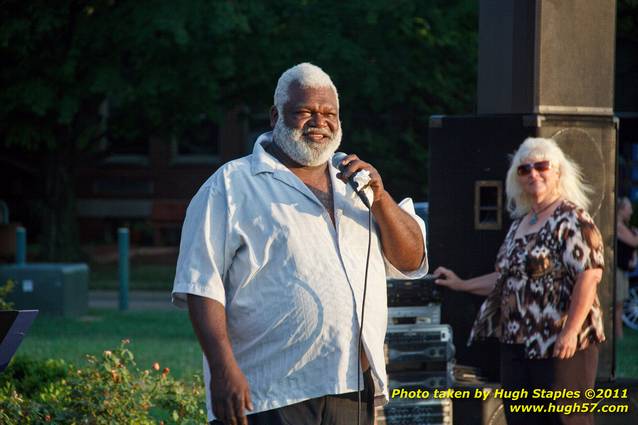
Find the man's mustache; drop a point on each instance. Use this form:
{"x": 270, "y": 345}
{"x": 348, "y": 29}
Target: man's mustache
{"x": 315, "y": 130}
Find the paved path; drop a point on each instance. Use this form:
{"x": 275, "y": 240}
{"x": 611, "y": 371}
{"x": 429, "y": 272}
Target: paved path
{"x": 137, "y": 300}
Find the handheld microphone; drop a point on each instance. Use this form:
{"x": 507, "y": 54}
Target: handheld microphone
{"x": 336, "y": 162}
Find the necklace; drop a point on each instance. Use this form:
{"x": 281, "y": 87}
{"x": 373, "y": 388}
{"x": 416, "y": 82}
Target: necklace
{"x": 534, "y": 218}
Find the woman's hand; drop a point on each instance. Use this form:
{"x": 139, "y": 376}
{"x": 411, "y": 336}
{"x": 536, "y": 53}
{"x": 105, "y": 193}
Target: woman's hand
{"x": 481, "y": 285}
{"x": 565, "y": 345}
{"x": 583, "y": 297}
{"x": 449, "y": 279}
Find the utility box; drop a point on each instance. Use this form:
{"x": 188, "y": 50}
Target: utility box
{"x": 53, "y": 288}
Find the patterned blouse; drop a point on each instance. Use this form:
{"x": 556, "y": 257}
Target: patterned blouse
{"x": 537, "y": 274}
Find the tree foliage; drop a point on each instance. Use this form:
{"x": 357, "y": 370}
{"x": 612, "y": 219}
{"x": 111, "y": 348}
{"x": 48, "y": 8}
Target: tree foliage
{"x": 394, "y": 63}
{"x": 75, "y": 72}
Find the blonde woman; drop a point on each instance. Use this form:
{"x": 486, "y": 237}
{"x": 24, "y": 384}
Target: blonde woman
{"x": 542, "y": 301}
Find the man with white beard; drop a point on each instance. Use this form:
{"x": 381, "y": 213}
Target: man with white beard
{"x": 272, "y": 264}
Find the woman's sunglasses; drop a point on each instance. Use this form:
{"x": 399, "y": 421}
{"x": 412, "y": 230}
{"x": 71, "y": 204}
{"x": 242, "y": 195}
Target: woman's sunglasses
{"x": 525, "y": 169}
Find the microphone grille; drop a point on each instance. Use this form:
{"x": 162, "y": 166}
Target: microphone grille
{"x": 337, "y": 158}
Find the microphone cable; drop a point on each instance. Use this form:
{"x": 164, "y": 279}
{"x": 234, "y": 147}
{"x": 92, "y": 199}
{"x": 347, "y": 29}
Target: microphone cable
{"x": 363, "y": 310}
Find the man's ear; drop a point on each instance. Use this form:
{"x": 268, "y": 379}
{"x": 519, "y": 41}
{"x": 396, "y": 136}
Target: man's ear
{"x": 274, "y": 114}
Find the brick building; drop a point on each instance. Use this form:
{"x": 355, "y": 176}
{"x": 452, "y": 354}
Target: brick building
{"x": 145, "y": 185}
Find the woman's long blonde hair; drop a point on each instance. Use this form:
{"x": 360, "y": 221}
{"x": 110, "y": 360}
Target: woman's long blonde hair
{"x": 571, "y": 185}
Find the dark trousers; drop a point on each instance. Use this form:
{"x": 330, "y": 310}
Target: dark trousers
{"x": 338, "y": 409}
{"x": 576, "y": 374}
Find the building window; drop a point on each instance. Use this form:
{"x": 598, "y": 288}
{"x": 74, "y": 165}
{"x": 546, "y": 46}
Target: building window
{"x": 123, "y": 151}
{"x": 123, "y": 185}
{"x": 121, "y": 146}
{"x": 198, "y": 144}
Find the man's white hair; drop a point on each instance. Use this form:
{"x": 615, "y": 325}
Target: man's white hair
{"x": 307, "y": 75}
{"x": 571, "y": 185}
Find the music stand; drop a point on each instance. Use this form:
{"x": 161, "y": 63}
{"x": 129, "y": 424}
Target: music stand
{"x": 13, "y": 326}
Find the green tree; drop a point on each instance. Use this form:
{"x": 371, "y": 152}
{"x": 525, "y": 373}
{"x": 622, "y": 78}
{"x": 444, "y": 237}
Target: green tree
{"x": 394, "y": 63}
{"x": 78, "y": 72}
{"x": 153, "y": 66}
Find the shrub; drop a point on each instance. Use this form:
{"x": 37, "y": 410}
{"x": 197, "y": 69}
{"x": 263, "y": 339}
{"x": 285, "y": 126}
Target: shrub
{"x": 29, "y": 375}
{"x": 4, "y": 291}
{"x": 110, "y": 389}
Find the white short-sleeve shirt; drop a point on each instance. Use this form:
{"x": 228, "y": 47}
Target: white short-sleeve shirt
{"x": 257, "y": 240}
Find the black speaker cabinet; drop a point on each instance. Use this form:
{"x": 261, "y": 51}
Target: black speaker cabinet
{"x": 546, "y": 56}
{"x": 621, "y": 394}
{"x": 475, "y": 411}
{"x": 469, "y": 157}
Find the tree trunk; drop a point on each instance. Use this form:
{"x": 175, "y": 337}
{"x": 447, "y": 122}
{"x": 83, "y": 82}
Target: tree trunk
{"x": 59, "y": 236}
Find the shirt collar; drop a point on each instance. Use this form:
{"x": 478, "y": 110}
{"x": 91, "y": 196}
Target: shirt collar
{"x": 262, "y": 161}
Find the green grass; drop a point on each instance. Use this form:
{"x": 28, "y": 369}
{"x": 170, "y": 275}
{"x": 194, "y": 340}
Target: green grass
{"x": 156, "y": 336}
{"x": 627, "y": 365}
{"x": 167, "y": 337}
{"x": 147, "y": 277}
